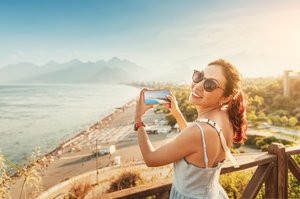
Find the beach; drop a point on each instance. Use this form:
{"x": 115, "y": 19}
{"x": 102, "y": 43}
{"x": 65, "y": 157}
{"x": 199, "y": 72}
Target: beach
{"x": 77, "y": 155}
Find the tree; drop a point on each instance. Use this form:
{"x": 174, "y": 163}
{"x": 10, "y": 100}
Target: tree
{"x": 262, "y": 117}
{"x": 276, "y": 120}
{"x": 292, "y": 121}
{"x": 284, "y": 120}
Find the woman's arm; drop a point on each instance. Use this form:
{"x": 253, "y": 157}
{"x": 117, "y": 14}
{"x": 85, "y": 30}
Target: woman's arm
{"x": 175, "y": 111}
{"x": 183, "y": 145}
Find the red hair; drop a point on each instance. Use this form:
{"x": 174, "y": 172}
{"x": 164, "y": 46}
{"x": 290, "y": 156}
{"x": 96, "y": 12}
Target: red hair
{"x": 237, "y": 115}
{"x": 236, "y": 107}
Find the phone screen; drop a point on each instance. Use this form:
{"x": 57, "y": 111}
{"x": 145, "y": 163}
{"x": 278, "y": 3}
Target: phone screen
{"x": 156, "y": 96}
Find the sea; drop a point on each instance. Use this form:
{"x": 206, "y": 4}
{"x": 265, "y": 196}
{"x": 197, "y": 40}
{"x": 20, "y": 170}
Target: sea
{"x": 46, "y": 115}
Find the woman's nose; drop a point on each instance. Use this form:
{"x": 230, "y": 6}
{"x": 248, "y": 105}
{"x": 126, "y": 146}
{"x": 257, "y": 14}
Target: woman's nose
{"x": 199, "y": 86}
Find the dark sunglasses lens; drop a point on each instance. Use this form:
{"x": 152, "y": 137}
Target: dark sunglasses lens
{"x": 210, "y": 85}
{"x": 197, "y": 76}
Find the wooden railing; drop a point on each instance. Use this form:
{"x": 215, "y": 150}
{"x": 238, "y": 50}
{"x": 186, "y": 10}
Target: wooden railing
{"x": 272, "y": 169}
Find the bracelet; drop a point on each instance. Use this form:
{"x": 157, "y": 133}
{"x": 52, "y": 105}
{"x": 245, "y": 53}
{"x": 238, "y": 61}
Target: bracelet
{"x": 137, "y": 125}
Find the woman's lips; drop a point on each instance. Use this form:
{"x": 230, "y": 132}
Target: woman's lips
{"x": 195, "y": 95}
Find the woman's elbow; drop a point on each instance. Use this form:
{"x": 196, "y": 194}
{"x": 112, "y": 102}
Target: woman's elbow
{"x": 151, "y": 162}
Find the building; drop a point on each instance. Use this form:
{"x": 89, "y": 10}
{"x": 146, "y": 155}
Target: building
{"x": 289, "y": 79}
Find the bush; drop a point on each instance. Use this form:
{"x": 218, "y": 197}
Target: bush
{"x": 125, "y": 180}
{"x": 79, "y": 190}
{"x": 293, "y": 184}
{"x": 263, "y": 143}
{"x": 234, "y": 183}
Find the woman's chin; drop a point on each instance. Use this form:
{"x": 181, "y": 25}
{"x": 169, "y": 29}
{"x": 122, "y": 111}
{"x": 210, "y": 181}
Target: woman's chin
{"x": 193, "y": 101}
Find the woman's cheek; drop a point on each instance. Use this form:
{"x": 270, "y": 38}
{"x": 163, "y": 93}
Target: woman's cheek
{"x": 192, "y": 85}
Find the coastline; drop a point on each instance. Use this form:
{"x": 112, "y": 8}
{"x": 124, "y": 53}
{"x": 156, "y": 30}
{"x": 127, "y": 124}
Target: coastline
{"x": 77, "y": 154}
{"x": 104, "y": 122}
{"x": 58, "y": 161}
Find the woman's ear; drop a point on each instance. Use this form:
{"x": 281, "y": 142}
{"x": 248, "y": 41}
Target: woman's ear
{"x": 226, "y": 100}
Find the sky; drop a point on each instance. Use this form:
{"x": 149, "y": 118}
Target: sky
{"x": 262, "y": 38}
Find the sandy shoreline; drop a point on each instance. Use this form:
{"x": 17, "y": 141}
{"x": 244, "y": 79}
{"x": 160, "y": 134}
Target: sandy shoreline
{"x": 104, "y": 122}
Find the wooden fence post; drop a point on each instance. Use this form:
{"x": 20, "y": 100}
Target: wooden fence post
{"x": 281, "y": 184}
{"x": 271, "y": 182}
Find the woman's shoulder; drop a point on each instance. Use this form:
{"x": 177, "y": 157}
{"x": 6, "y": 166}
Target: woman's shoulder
{"x": 221, "y": 118}
{"x": 223, "y": 121}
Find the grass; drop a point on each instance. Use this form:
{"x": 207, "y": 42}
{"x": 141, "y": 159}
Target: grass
{"x": 31, "y": 173}
{"x": 79, "y": 190}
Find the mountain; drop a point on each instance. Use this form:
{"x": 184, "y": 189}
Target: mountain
{"x": 114, "y": 70}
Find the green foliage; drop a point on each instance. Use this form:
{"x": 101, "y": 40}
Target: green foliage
{"x": 292, "y": 121}
{"x": 265, "y": 95}
{"x": 275, "y": 119}
{"x": 171, "y": 120}
{"x": 263, "y": 143}
{"x": 284, "y": 120}
{"x": 188, "y": 110}
{"x": 234, "y": 183}
{"x": 293, "y": 184}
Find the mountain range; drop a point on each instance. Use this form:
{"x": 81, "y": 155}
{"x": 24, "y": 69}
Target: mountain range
{"x": 114, "y": 70}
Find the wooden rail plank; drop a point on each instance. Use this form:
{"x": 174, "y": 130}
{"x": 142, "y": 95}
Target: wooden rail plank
{"x": 293, "y": 150}
{"x": 256, "y": 181}
{"x": 267, "y": 158}
{"x": 294, "y": 168}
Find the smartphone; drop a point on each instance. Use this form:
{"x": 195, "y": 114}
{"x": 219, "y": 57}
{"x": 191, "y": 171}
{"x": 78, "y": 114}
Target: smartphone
{"x": 157, "y": 96}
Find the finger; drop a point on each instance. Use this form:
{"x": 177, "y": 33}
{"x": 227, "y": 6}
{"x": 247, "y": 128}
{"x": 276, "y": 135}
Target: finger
{"x": 174, "y": 98}
{"x": 142, "y": 96}
{"x": 171, "y": 98}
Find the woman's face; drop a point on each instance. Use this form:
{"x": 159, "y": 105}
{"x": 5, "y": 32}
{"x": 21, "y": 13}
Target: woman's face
{"x": 204, "y": 99}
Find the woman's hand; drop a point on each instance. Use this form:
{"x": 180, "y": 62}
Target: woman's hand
{"x": 141, "y": 107}
{"x": 175, "y": 111}
{"x": 173, "y": 106}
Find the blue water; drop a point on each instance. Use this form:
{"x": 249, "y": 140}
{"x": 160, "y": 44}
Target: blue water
{"x": 46, "y": 115}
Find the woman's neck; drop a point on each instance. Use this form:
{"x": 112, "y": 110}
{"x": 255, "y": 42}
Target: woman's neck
{"x": 204, "y": 111}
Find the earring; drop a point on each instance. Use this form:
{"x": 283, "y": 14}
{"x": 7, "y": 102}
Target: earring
{"x": 220, "y": 104}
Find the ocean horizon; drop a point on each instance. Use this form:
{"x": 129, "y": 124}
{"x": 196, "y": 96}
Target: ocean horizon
{"x": 45, "y": 115}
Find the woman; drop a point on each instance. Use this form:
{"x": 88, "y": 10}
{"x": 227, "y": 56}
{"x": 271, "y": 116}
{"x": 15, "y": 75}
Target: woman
{"x": 199, "y": 151}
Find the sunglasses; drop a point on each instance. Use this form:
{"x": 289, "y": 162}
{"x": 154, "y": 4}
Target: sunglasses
{"x": 209, "y": 84}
